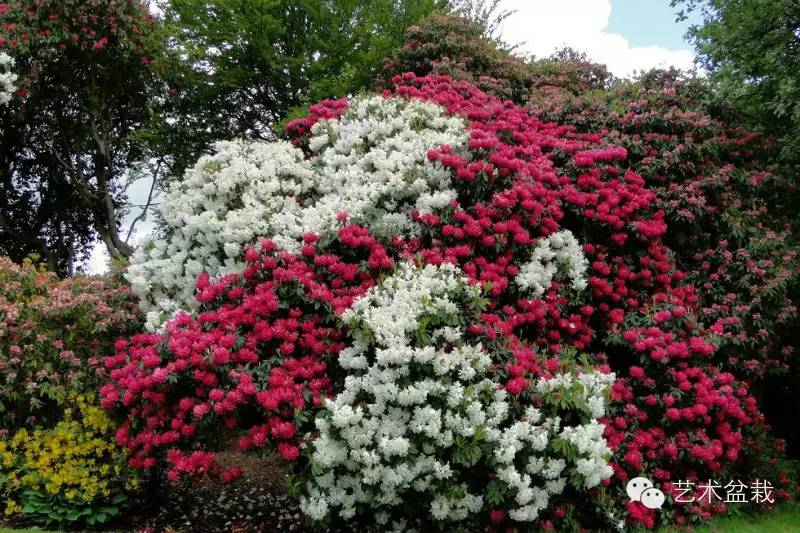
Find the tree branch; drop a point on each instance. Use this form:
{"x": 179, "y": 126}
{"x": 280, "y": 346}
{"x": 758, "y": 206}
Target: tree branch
{"x": 147, "y": 205}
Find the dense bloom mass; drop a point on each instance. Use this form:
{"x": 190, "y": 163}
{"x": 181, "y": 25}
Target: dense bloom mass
{"x": 559, "y": 251}
{"x": 7, "y": 78}
{"x": 421, "y": 413}
{"x": 367, "y": 165}
{"x": 409, "y": 325}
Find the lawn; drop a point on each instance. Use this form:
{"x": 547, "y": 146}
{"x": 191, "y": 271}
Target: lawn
{"x": 785, "y": 519}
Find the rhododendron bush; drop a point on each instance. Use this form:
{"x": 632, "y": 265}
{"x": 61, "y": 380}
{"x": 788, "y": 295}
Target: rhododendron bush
{"x": 247, "y": 190}
{"x": 58, "y": 460}
{"x": 727, "y": 207}
{"x": 721, "y": 201}
{"x": 394, "y": 303}
{"x": 7, "y": 78}
{"x": 423, "y": 417}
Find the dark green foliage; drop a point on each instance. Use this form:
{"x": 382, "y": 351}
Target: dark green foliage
{"x": 751, "y": 48}
{"x": 247, "y": 64}
{"x": 86, "y": 85}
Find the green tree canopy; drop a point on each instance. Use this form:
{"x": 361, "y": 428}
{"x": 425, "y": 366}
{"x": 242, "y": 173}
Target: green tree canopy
{"x": 249, "y": 63}
{"x": 751, "y": 48}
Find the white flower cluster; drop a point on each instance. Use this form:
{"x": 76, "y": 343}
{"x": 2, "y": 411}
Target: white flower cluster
{"x": 421, "y": 412}
{"x": 221, "y": 204}
{"x": 370, "y": 164}
{"x": 537, "y": 477}
{"x": 560, "y": 252}
{"x": 7, "y": 78}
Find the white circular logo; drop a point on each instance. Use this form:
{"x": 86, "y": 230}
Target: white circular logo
{"x": 636, "y": 486}
{"x": 652, "y": 498}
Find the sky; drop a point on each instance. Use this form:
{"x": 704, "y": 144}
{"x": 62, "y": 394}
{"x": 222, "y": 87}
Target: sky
{"x": 626, "y": 35}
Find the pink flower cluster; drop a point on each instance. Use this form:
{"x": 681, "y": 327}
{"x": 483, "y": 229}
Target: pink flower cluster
{"x": 53, "y": 336}
{"x": 260, "y": 352}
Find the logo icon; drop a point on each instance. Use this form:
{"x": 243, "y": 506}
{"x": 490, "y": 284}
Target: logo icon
{"x": 641, "y": 490}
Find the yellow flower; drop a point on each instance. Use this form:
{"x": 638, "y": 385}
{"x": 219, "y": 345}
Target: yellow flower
{"x": 12, "y": 507}
{"x": 77, "y": 459}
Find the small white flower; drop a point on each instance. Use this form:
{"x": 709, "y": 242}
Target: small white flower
{"x": 560, "y": 252}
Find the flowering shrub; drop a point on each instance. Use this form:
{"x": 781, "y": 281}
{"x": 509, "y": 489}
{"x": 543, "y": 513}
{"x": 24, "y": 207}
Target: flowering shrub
{"x": 7, "y": 78}
{"x": 558, "y": 250}
{"x": 58, "y": 462}
{"x": 201, "y": 377}
{"x": 725, "y": 205}
{"x": 714, "y": 190}
{"x": 53, "y": 335}
{"x": 69, "y": 475}
{"x": 369, "y": 166}
{"x": 570, "y": 250}
{"x": 423, "y": 421}
{"x": 456, "y": 47}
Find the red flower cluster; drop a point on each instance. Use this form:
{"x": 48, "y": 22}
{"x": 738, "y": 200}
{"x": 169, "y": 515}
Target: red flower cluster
{"x": 259, "y": 353}
{"x": 262, "y": 352}
{"x": 300, "y": 128}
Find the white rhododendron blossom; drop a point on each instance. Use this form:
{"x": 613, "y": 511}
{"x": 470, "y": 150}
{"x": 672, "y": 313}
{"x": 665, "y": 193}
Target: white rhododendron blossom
{"x": 7, "y": 78}
{"x": 222, "y": 203}
{"x": 559, "y": 253}
{"x": 369, "y": 166}
{"x": 421, "y": 411}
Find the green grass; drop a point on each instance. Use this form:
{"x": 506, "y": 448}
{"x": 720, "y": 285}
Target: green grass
{"x": 785, "y": 519}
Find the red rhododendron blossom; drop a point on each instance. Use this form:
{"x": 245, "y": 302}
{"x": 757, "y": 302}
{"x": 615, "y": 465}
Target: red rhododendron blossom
{"x": 571, "y": 250}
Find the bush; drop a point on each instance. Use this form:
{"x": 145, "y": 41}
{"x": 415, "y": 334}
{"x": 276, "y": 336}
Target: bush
{"x": 53, "y": 337}
{"x": 72, "y": 474}
{"x": 456, "y": 47}
{"x": 729, "y": 212}
{"x": 251, "y": 189}
{"x": 569, "y": 249}
{"x": 423, "y": 420}
{"x": 59, "y": 462}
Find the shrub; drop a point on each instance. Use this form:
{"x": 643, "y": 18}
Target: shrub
{"x": 69, "y": 475}
{"x": 53, "y": 337}
{"x": 369, "y": 166}
{"x": 7, "y": 78}
{"x": 570, "y": 250}
{"x": 423, "y": 422}
{"x": 720, "y": 197}
{"x": 59, "y": 463}
{"x": 209, "y": 377}
{"x": 456, "y": 47}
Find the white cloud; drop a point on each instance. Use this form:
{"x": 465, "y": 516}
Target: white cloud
{"x": 544, "y": 26}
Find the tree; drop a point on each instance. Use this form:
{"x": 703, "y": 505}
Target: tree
{"x": 86, "y": 87}
{"x": 751, "y": 48}
{"x": 249, "y": 63}
{"x": 486, "y": 13}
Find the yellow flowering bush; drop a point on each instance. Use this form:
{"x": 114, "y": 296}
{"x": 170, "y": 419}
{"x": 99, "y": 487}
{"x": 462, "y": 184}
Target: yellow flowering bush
{"x": 70, "y": 474}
